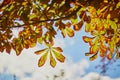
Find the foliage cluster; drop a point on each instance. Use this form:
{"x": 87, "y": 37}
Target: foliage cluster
{"x": 40, "y": 21}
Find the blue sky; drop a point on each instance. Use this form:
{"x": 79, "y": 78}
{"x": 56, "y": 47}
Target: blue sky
{"x": 77, "y": 66}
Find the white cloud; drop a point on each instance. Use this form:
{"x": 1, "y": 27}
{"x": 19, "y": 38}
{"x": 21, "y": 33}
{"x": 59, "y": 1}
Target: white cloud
{"x": 19, "y": 65}
{"x": 27, "y": 63}
{"x": 96, "y": 76}
{"x": 59, "y": 42}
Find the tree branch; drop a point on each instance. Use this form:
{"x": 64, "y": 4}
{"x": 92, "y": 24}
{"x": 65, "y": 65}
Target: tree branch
{"x": 68, "y": 16}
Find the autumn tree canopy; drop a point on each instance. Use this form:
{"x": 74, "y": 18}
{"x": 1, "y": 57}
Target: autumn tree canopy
{"x": 39, "y": 21}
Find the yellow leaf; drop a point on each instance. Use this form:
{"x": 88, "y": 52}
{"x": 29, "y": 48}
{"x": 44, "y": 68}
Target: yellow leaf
{"x": 118, "y": 5}
{"x": 103, "y": 9}
{"x": 102, "y": 54}
{"x": 87, "y": 39}
{"x": 43, "y": 59}
{"x": 58, "y": 56}
{"x": 41, "y": 51}
{"x": 18, "y": 49}
{"x": 108, "y": 16}
{"x": 89, "y": 27}
{"x": 93, "y": 57}
{"x": 117, "y": 55}
{"x": 102, "y": 50}
{"x": 87, "y": 54}
{"x": 78, "y": 26}
{"x": 74, "y": 21}
{"x": 33, "y": 44}
{"x": 94, "y": 49}
{"x": 40, "y": 40}
{"x": 63, "y": 33}
{"x": 109, "y": 56}
{"x": 24, "y": 3}
{"x": 52, "y": 61}
{"x": 111, "y": 46}
{"x": 69, "y": 32}
{"x": 58, "y": 49}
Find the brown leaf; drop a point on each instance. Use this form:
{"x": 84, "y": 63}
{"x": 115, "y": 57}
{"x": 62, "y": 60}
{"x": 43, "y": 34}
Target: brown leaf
{"x": 93, "y": 57}
{"x": 78, "y": 26}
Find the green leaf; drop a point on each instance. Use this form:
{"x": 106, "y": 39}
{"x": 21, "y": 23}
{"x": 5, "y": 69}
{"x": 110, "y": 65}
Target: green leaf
{"x": 74, "y": 21}
{"x": 40, "y": 40}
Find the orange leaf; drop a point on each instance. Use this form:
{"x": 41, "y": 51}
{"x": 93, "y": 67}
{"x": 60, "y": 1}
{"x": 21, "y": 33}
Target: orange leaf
{"x": 87, "y": 39}
{"x": 102, "y": 50}
{"x": 43, "y": 59}
{"x": 59, "y": 56}
{"x": 52, "y": 61}
{"x": 102, "y": 54}
{"x": 109, "y": 56}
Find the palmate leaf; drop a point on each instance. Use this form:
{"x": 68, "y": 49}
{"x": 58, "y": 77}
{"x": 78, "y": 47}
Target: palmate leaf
{"x": 52, "y": 52}
{"x": 98, "y": 16}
